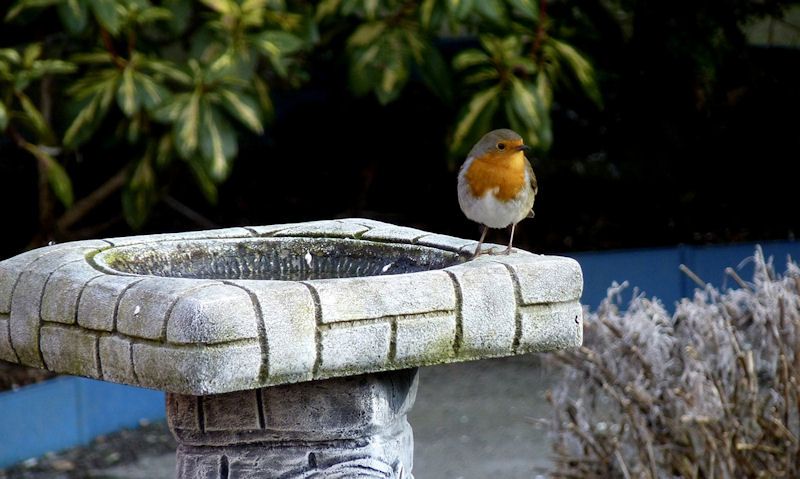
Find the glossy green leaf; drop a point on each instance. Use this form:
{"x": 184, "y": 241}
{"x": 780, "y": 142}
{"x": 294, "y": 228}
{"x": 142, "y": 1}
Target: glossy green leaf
{"x": 170, "y": 110}
{"x": 149, "y": 93}
{"x": 326, "y": 8}
{"x": 31, "y": 53}
{"x": 10, "y": 55}
{"x": 470, "y": 58}
{"x": 492, "y": 10}
{"x": 264, "y": 100}
{"x": 95, "y": 101}
{"x": 225, "y": 7}
{"x": 527, "y": 9}
{"x": 426, "y": 10}
{"x": 74, "y": 15}
{"x": 57, "y": 176}
{"x": 164, "y": 150}
{"x": 3, "y": 117}
{"x": 531, "y": 112}
{"x": 218, "y": 143}
{"x": 485, "y": 74}
{"x": 581, "y": 68}
{"x": 126, "y": 94}
{"x": 36, "y": 120}
{"x": 187, "y": 126}
{"x": 139, "y": 195}
{"x": 51, "y": 67}
{"x": 481, "y": 103}
{"x": 277, "y": 43}
{"x": 168, "y": 70}
{"x": 96, "y": 57}
{"x": 461, "y": 8}
{"x": 371, "y": 8}
{"x": 545, "y": 91}
{"x": 244, "y": 108}
{"x": 153, "y": 15}
{"x": 366, "y": 34}
{"x": 109, "y": 13}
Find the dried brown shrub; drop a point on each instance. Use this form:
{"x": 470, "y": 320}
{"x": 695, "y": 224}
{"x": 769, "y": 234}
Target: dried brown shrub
{"x": 710, "y": 391}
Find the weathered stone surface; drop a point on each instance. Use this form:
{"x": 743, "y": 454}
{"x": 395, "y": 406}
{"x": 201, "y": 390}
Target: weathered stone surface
{"x": 70, "y": 350}
{"x": 25, "y": 317}
{"x": 232, "y": 412}
{"x": 325, "y": 229}
{"x": 288, "y": 314}
{"x": 488, "y": 307}
{"x": 394, "y": 234}
{"x": 144, "y": 307}
{"x": 100, "y": 299}
{"x": 63, "y": 289}
{"x": 450, "y": 243}
{"x": 338, "y": 428}
{"x": 6, "y": 351}
{"x": 356, "y": 348}
{"x": 546, "y": 279}
{"x": 115, "y": 360}
{"x": 548, "y": 327}
{"x": 217, "y": 313}
{"x": 425, "y": 339}
{"x": 240, "y": 308}
{"x": 10, "y": 269}
{"x": 235, "y": 232}
{"x": 350, "y": 299}
{"x": 201, "y": 370}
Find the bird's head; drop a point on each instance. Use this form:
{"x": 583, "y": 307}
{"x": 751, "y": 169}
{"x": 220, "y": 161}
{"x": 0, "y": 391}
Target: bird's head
{"x": 499, "y": 145}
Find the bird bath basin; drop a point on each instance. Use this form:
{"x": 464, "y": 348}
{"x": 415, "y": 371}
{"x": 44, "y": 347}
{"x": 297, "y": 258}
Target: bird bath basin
{"x": 286, "y": 350}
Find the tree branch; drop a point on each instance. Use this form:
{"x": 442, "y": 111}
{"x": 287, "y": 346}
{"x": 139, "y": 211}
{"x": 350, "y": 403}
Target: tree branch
{"x": 86, "y": 204}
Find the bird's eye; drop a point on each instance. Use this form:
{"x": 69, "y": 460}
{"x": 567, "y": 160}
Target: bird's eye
{"x": 501, "y": 146}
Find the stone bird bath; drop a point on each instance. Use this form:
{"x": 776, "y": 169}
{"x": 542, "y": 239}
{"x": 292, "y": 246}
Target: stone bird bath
{"x": 286, "y": 351}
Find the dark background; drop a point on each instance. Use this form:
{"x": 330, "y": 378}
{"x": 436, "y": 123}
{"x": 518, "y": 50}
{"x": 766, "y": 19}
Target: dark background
{"x": 697, "y": 143}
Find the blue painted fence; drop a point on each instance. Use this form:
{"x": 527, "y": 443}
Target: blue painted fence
{"x": 67, "y": 412}
{"x": 655, "y": 271}
{"x": 70, "y": 411}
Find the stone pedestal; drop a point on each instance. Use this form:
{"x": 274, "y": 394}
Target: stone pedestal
{"x": 352, "y": 427}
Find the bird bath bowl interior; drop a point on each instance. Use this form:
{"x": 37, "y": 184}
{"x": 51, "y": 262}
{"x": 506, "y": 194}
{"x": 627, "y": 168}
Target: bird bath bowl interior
{"x": 284, "y": 259}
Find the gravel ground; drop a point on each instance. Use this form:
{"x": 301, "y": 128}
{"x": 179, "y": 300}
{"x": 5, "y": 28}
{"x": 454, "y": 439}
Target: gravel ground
{"x": 472, "y": 420}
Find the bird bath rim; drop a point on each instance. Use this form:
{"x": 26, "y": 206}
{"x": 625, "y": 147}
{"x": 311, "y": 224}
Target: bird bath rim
{"x": 62, "y": 310}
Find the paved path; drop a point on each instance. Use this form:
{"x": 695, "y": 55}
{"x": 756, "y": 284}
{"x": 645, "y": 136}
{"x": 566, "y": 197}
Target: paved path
{"x": 471, "y": 421}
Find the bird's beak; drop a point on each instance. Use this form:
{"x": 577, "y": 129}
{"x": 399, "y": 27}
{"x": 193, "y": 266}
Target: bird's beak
{"x": 524, "y": 148}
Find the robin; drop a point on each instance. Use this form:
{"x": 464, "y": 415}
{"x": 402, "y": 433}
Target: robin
{"x": 496, "y": 183}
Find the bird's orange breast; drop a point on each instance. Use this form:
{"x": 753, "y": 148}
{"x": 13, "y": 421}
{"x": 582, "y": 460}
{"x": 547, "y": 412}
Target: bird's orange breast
{"x": 500, "y": 172}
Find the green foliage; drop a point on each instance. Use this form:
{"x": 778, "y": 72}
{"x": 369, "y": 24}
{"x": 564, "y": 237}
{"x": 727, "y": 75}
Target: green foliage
{"x": 180, "y": 82}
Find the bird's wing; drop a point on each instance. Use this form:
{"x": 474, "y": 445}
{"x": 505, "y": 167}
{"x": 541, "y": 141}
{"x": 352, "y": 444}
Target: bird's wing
{"x": 534, "y": 183}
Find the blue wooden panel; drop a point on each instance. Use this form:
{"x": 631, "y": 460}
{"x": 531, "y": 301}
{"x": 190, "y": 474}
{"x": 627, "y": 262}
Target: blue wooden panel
{"x": 655, "y": 272}
{"x": 37, "y": 419}
{"x": 710, "y": 262}
{"x": 108, "y": 407}
{"x": 67, "y": 412}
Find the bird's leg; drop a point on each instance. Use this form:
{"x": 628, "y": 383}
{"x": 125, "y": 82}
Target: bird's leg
{"x": 511, "y": 240}
{"x": 480, "y": 242}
